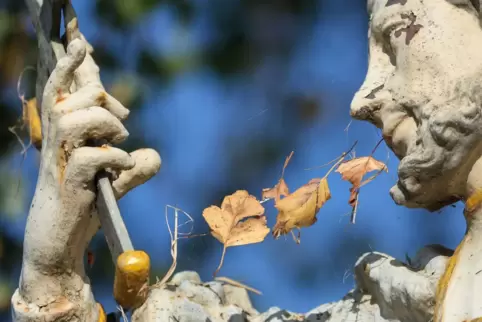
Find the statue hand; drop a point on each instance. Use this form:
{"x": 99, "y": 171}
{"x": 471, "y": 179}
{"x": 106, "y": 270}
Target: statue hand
{"x": 62, "y": 217}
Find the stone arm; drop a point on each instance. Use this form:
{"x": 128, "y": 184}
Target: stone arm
{"x": 62, "y": 218}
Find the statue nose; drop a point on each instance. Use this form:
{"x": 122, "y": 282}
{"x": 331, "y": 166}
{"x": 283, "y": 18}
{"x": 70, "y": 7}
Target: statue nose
{"x": 366, "y": 106}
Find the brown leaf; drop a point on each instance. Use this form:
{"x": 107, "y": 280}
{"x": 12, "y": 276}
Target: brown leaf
{"x": 31, "y": 118}
{"x": 299, "y": 209}
{"x": 226, "y": 222}
{"x": 353, "y": 171}
{"x": 281, "y": 188}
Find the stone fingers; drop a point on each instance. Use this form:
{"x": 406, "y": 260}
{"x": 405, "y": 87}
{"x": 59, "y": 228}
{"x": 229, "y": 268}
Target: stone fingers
{"x": 58, "y": 85}
{"x": 88, "y": 96}
{"x": 85, "y": 162}
{"x": 78, "y": 65}
{"x": 75, "y": 128}
{"x": 148, "y": 162}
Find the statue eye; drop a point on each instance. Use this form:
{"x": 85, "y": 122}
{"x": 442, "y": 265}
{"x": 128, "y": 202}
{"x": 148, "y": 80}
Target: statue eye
{"x": 388, "y": 45}
{"x": 392, "y": 29}
{"x": 392, "y": 33}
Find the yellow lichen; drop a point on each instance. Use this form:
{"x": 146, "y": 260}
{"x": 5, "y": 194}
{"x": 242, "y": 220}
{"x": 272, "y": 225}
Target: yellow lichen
{"x": 474, "y": 201}
{"x": 444, "y": 282}
{"x": 102, "y": 315}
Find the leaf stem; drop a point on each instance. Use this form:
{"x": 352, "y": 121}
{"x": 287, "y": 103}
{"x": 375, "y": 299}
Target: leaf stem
{"x": 221, "y": 262}
{"x": 341, "y": 158}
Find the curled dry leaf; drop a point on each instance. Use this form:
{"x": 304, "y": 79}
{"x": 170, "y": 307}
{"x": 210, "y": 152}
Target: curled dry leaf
{"x": 353, "y": 171}
{"x": 239, "y": 221}
{"x": 281, "y": 188}
{"x": 31, "y": 118}
{"x": 299, "y": 209}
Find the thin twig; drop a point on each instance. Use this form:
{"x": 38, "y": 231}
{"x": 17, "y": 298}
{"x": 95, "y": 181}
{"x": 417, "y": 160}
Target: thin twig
{"x": 123, "y": 314}
{"x": 194, "y": 236}
{"x": 238, "y": 284}
{"x": 376, "y": 146}
{"x": 337, "y": 159}
{"x": 25, "y": 117}
{"x": 174, "y": 238}
{"x": 341, "y": 158}
{"x": 220, "y": 262}
{"x": 355, "y": 207}
{"x": 323, "y": 165}
{"x": 286, "y": 163}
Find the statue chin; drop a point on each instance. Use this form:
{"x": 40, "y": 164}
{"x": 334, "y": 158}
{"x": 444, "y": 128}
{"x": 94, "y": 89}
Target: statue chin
{"x": 432, "y": 177}
{"x": 401, "y": 197}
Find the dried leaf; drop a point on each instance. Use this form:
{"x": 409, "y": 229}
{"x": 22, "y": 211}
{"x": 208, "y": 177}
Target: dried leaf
{"x": 237, "y": 284}
{"x": 299, "y": 209}
{"x": 353, "y": 171}
{"x": 281, "y": 188}
{"x": 228, "y": 225}
{"x": 31, "y": 118}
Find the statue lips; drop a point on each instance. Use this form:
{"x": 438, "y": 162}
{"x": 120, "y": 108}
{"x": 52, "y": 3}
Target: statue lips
{"x": 400, "y": 135}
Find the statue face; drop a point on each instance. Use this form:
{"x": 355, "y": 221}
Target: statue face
{"x": 423, "y": 89}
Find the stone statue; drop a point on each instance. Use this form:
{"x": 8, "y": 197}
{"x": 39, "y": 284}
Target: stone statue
{"x": 422, "y": 89}
{"x": 426, "y": 99}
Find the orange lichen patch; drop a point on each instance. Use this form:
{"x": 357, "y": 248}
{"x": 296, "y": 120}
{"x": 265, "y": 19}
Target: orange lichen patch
{"x": 60, "y": 96}
{"x": 474, "y": 201}
{"x": 31, "y": 119}
{"x": 60, "y": 305}
{"x": 131, "y": 281}
{"x": 444, "y": 282}
{"x": 102, "y": 315}
{"x": 104, "y": 146}
{"x": 101, "y": 99}
{"x": 62, "y": 158}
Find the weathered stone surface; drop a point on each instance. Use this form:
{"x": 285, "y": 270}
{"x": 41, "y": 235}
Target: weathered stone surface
{"x": 386, "y": 290}
{"x": 185, "y": 298}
